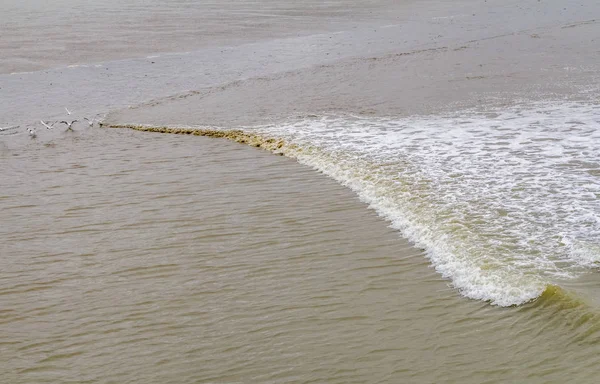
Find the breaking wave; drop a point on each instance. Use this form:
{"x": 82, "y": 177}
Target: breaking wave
{"x": 506, "y": 203}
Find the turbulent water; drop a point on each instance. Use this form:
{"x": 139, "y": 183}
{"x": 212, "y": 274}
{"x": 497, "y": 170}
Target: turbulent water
{"x": 140, "y": 257}
{"x": 505, "y": 202}
{"x": 471, "y": 129}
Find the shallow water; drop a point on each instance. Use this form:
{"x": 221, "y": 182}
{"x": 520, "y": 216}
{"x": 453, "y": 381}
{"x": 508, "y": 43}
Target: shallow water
{"x": 505, "y": 201}
{"x": 38, "y": 35}
{"x": 216, "y": 262}
{"x": 138, "y": 257}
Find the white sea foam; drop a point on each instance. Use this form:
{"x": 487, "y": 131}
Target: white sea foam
{"x": 505, "y": 202}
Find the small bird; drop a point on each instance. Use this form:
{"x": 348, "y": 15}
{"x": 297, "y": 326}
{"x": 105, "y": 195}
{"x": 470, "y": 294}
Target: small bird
{"x": 68, "y": 112}
{"x": 90, "y": 122}
{"x": 69, "y": 125}
{"x": 47, "y": 125}
{"x": 32, "y": 132}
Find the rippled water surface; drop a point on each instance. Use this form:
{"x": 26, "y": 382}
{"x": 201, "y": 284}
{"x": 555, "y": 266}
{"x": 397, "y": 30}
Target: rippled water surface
{"x": 448, "y": 235}
{"x": 147, "y": 258}
{"x": 505, "y": 202}
{"x": 37, "y": 34}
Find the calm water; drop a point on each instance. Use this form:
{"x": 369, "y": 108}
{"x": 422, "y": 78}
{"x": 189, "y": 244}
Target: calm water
{"x": 37, "y": 34}
{"x": 459, "y": 244}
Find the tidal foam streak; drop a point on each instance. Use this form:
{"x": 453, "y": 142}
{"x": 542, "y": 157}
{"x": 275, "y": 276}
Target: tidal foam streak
{"x": 505, "y": 202}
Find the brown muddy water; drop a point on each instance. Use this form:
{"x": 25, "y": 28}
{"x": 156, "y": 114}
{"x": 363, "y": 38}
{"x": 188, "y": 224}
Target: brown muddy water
{"x": 142, "y": 257}
{"x": 38, "y": 34}
{"x": 434, "y": 218}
